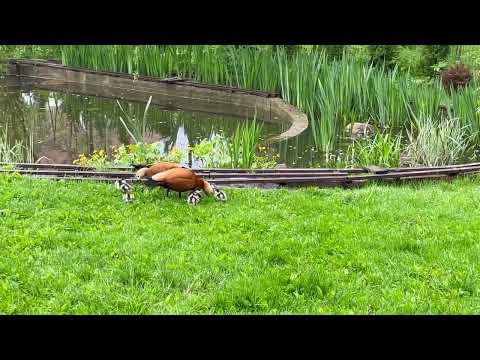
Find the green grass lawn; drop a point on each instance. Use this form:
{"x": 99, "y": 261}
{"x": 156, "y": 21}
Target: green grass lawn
{"x": 76, "y": 248}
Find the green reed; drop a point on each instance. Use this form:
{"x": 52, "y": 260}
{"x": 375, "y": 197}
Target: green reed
{"x": 384, "y": 149}
{"x": 331, "y": 93}
{"x": 243, "y": 144}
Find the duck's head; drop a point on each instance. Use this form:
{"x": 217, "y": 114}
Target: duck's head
{"x": 141, "y": 173}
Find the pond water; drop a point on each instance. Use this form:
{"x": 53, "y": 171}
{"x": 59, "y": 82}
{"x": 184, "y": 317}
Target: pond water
{"x": 61, "y": 125}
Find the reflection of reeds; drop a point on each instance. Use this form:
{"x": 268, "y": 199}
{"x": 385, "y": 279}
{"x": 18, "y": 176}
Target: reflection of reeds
{"x": 12, "y": 153}
{"x": 139, "y": 127}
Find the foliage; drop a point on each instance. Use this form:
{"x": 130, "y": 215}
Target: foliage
{"x": 382, "y": 150}
{"x": 436, "y": 143}
{"x": 383, "y": 54}
{"x": 244, "y": 143}
{"x": 334, "y": 51}
{"x": 456, "y": 76}
{"x": 138, "y": 127}
{"x": 30, "y": 51}
{"x": 213, "y": 153}
{"x": 410, "y": 59}
{"x": 142, "y": 153}
{"x": 432, "y": 55}
{"x": 131, "y": 154}
{"x": 264, "y": 160}
{"x": 18, "y": 152}
{"x": 97, "y": 159}
{"x": 331, "y": 92}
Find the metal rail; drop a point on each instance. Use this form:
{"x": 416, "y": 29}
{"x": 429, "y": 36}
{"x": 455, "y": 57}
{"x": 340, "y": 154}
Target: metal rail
{"x": 261, "y": 177}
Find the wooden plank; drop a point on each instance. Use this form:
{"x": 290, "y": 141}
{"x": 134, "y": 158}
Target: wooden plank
{"x": 280, "y": 171}
{"x": 425, "y": 168}
{"x": 280, "y": 180}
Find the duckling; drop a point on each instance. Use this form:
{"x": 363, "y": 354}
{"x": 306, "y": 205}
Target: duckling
{"x": 123, "y": 186}
{"x": 194, "y": 197}
{"x": 125, "y": 189}
{"x": 128, "y": 197}
{"x": 219, "y": 194}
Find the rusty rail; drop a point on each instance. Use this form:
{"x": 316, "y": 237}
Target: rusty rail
{"x": 282, "y": 177}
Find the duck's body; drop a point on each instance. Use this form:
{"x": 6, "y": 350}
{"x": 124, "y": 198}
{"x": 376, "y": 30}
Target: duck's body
{"x": 181, "y": 180}
{"x": 156, "y": 168}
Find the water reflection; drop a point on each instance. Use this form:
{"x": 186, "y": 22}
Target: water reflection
{"x": 63, "y": 125}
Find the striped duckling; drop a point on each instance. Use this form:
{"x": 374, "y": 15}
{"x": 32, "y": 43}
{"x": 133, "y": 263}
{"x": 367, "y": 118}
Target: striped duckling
{"x": 125, "y": 188}
{"x": 194, "y": 197}
{"x": 219, "y": 194}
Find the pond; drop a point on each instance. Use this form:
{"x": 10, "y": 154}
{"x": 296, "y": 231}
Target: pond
{"x": 61, "y": 125}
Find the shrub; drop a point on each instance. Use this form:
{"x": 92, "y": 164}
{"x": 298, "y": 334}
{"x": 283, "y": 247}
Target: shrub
{"x": 334, "y": 51}
{"x": 410, "y": 58}
{"x": 456, "y": 76}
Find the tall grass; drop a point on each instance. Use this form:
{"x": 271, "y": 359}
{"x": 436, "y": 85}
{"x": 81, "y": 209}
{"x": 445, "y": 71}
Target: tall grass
{"x": 243, "y": 144}
{"x": 331, "y": 93}
{"x": 383, "y": 150}
{"x": 436, "y": 143}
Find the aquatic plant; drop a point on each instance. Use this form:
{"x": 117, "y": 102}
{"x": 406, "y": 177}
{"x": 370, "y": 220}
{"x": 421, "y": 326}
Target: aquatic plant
{"x": 435, "y": 143}
{"x": 331, "y": 93}
{"x": 384, "y": 149}
{"x": 212, "y": 152}
{"x": 130, "y": 154}
{"x": 243, "y": 144}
